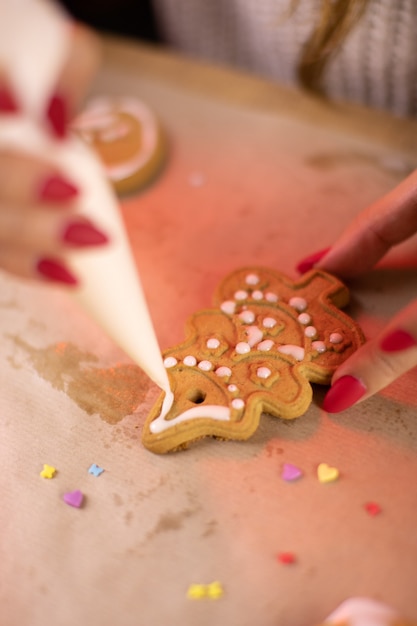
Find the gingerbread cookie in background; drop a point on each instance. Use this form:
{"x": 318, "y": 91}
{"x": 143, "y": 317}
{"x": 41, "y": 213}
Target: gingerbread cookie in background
{"x": 365, "y": 612}
{"x": 258, "y": 351}
{"x": 128, "y": 138}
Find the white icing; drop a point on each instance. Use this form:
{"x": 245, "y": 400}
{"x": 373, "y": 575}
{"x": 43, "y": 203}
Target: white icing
{"x": 269, "y": 322}
{"x": 241, "y": 294}
{"x": 190, "y": 360}
{"x": 271, "y": 297}
{"x": 300, "y": 304}
{"x": 247, "y": 317}
{"x": 362, "y": 612}
{"x": 263, "y": 372}
{"x": 205, "y": 366}
{"x": 212, "y": 343}
{"x": 265, "y": 345}
{"x": 228, "y": 306}
{"x": 213, "y": 411}
{"x": 242, "y": 347}
{"x": 336, "y": 338}
{"x": 310, "y": 332}
{"x": 149, "y": 131}
{"x": 252, "y": 279}
{"x": 295, "y": 351}
{"x": 257, "y": 295}
{"x": 170, "y": 361}
{"x": 320, "y": 346}
{"x": 304, "y": 318}
{"x": 223, "y": 371}
{"x": 232, "y": 388}
{"x": 238, "y": 403}
{"x": 254, "y": 334}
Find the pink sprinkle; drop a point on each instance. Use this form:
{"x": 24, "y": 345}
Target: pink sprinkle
{"x": 74, "y": 498}
{"x": 290, "y": 472}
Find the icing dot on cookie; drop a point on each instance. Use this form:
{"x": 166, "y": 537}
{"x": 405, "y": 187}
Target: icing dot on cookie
{"x": 336, "y": 338}
{"x": 238, "y": 403}
{"x": 228, "y": 307}
{"x": 252, "y": 279}
{"x": 263, "y": 372}
{"x": 300, "y": 304}
{"x": 170, "y": 361}
{"x": 320, "y": 346}
{"x": 232, "y": 388}
{"x": 205, "y": 366}
{"x": 190, "y": 360}
{"x": 257, "y": 295}
{"x": 269, "y": 322}
{"x": 295, "y": 351}
{"x": 241, "y": 294}
{"x": 242, "y": 347}
{"x": 266, "y": 345}
{"x": 212, "y": 343}
{"x": 254, "y": 335}
{"x": 310, "y": 332}
{"x": 304, "y": 318}
{"x": 223, "y": 371}
{"x": 247, "y": 317}
{"x": 271, "y": 297}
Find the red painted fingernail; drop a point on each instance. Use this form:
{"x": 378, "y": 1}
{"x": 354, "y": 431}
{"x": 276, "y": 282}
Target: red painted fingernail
{"x": 56, "y": 189}
{"x": 57, "y": 115}
{"x": 397, "y": 340}
{"x": 310, "y": 261}
{"x": 7, "y": 102}
{"x": 81, "y": 233}
{"x": 55, "y": 271}
{"x": 345, "y": 392}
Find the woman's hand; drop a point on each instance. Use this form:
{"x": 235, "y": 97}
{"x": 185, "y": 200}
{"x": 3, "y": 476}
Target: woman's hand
{"x": 37, "y": 201}
{"x": 393, "y": 352}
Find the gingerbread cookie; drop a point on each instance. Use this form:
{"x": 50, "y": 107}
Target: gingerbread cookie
{"x": 365, "y": 612}
{"x": 127, "y": 137}
{"x": 258, "y": 351}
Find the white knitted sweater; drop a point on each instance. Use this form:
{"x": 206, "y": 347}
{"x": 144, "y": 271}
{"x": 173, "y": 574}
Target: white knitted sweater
{"x": 376, "y": 65}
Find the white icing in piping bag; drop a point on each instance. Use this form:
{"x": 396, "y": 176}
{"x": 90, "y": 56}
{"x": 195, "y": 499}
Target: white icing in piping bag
{"x": 34, "y": 40}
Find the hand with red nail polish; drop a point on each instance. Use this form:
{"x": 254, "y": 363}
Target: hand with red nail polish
{"x": 38, "y": 220}
{"x": 393, "y": 352}
{"x": 38, "y": 204}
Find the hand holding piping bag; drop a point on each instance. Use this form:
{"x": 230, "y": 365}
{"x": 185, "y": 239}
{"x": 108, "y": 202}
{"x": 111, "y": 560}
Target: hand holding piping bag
{"x": 387, "y": 222}
{"x": 59, "y": 218}
{"x": 38, "y": 217}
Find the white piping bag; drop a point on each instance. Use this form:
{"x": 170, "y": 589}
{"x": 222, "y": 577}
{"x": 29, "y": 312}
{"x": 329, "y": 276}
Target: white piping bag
{"x": 34, "y": 41}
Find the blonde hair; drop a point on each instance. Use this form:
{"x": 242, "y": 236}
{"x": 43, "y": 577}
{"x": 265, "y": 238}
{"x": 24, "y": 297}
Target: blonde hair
{"x": 336, "y": 19}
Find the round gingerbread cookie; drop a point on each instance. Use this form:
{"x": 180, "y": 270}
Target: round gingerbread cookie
{"x": 127, "y": 137}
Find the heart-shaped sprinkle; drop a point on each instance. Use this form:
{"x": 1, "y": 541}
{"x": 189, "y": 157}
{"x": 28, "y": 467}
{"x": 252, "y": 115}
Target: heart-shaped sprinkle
{"x": 74, "y": 498}
{"x": 290, "y": 472}
{"x": 326, "y": 473}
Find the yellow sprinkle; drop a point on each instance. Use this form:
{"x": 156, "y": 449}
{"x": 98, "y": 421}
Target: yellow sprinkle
{"x": 327, "y": 474}
{"x": 215, "y": 590}
{"x": 196, "y": 592}
{"x": 48, "y": 471}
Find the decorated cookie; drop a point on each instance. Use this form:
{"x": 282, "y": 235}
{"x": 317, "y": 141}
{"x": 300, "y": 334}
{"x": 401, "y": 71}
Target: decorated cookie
{"x": 365, "y": 612}
{"x": 258, "y": 351}
{"x": 128, "y": 138}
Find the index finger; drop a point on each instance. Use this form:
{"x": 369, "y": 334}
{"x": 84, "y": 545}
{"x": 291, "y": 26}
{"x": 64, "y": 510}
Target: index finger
{"x": 390, "y": 220}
